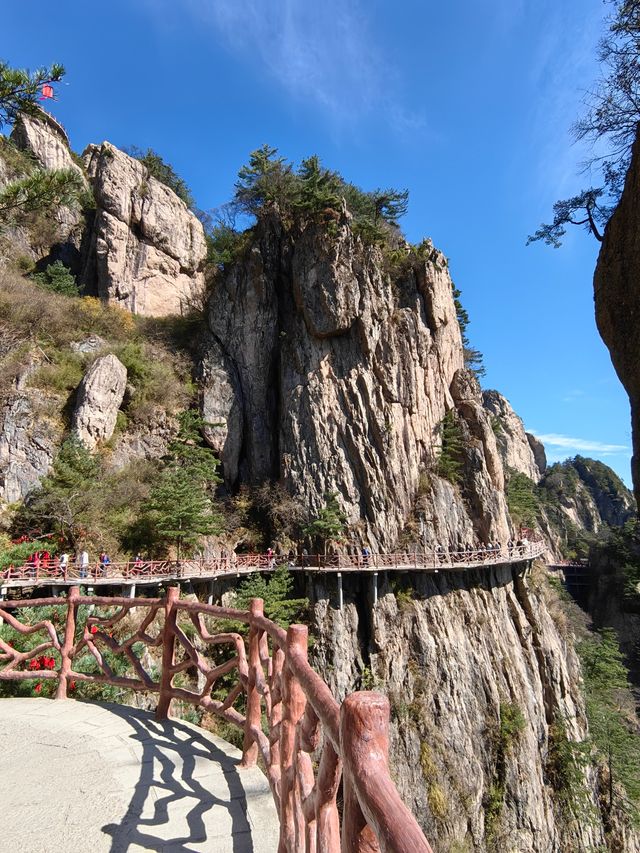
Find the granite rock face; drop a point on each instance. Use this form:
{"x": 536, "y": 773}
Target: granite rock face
{"x": 28, "y": 445}
{"x": 100, "y": 395}
{"x": 452, "y": 652}
{"x": 340, "y": 372}
{"x": 147, "y": 249}
{"x": 616, "y": 285}
{"x": 515, "y": 445}
{"x": 46, "y": 140}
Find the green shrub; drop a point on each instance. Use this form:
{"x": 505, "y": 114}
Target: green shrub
{"x": 512, "y": 724}
{"x": 452, "y": 444}
{"x": 61, "y": 374}
{"x": 163, "y": 172}
{"x": 57, "y": 278}
{"x": 565, "y": 770}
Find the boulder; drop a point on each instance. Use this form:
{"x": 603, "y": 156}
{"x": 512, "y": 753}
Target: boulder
{"x": 100, "y": 395}
{"x": 147, "y": 248}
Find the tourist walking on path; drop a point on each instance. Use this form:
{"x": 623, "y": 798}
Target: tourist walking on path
{"x": 104, "y": 563}
{"x": 63, "y": 563}
{"x": 83, "y": 563}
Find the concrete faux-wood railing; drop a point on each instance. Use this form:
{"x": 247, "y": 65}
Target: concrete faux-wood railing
{"x": 288, "y": 714}
{"x": 230, "y": 564}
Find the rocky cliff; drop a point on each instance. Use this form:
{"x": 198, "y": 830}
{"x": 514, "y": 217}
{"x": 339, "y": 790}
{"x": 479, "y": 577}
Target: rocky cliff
{"x": 139, "y": 247}
{"x": 332, "y": 373}
{"x": 520, "y": 451}
{"x": 616, "y": 286}
{"x": 478, "y": 672}
{"x": 147, "y": 249}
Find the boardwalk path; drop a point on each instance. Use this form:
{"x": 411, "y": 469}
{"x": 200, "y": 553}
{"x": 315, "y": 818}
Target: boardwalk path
{"x": 230, "y": 564}
{"x": 100, "y": 777}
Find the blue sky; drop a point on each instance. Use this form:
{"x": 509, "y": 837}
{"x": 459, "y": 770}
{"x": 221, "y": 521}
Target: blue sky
{"x": 468, "y": 104}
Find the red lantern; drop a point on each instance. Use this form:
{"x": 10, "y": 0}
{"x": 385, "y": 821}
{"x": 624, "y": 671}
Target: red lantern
{"x": 47, "y": 92}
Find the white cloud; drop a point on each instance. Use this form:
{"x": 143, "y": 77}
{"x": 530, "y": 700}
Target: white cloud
{"x": 580, "y": 444}
{"x": 322, "y": 53}
{"x": 562, "y": 69}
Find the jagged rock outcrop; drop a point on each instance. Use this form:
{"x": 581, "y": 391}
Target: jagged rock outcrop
{"x": 616, "y": 286}
{"x": 99, "y": 398}
{"x": 45, "y": 139}
{"x": 340, "y": 373}
{"x": 144, "y": 441}
{"x": 453, "y": 652}
{"x": 589, "y": 494}
{"x": 539, "y": 453}
{"x": 220, "y": 402}
{"x": 519, "y": 450}
{"x": 483, "y": 476}
{"x": 28, "y": 444}
{"x": 147, "y": 249}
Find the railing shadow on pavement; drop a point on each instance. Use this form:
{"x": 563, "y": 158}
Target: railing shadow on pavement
{"x": 168, "y": 795}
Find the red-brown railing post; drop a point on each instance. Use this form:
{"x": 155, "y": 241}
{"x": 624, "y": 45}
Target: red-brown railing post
{"x": 357, "y": 738}
{"x": 292, "y": 823}
{"x": 67, "y": 644}
{"x": 370, "y": 796}
{"x": 253, "y": 717}
{"x": 168, "y": 652}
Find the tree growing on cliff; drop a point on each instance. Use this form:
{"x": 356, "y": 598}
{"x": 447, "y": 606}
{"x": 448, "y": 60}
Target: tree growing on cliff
{"x": 163, "y": 172}
{"x": 449, "y": 465}
{"x": 276, "y": 592}
{"x": 610, "y": 120}
{"x": 180, "y": 509}
{"x": 330, "y": 523}
{"x": 610, "y": 713}
{"x": 268, "y": 181}
{"x": 20, "y": 88}
{"x": 41, "y": 191}
{"x": 473, "y": 358}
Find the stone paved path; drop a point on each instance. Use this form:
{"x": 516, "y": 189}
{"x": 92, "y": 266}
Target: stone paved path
{"x": 80, "y": 776}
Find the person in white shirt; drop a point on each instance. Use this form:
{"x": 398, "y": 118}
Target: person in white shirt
{"x": 63, "y": 563}
{"x": 83, "y": 562}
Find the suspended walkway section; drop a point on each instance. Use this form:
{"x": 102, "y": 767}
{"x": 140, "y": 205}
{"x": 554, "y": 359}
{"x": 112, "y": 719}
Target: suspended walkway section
{"x": 228, "y": 564}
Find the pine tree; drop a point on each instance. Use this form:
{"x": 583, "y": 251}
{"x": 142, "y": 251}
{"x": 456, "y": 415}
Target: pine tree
{"x": 41, "y": 191}
{"x": 266, "y": 179}
{"x": 451, "y": 448}
{"x": 63, "y": 504}
{"x": 319, "y": 188}
{"x": 180, "y": 508}
{"x": 276, "y": 594}
{"x": 329, "y": 525}
{"x": 20, "y": 89}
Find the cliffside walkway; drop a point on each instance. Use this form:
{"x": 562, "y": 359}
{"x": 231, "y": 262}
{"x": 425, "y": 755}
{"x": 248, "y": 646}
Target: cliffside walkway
{"x": 230, "y": 564}
{"x": 312, "y": 747}
{"x": 105, "y": 778}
